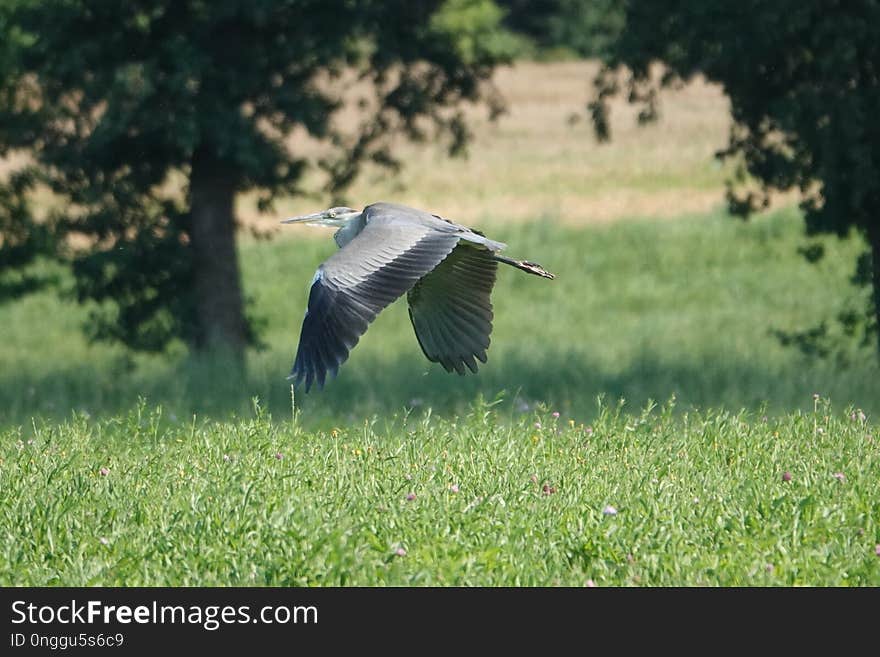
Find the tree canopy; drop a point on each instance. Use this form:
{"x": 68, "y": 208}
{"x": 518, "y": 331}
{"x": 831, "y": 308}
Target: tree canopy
{"x": 803, "y": 78}
{"x": 113, "y": 102}
{"x": 22, "y": 240}
{"x": 586, "y": 28}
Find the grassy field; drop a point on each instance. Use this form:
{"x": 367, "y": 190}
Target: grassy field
{"x": 640, "y": 311}
{"x": 133, "y": 469}
{"x": 648, "y": 498}
{"x": 394, "y": 475}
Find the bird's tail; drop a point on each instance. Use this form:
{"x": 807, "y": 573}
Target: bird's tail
{"x": 526, "y": 266}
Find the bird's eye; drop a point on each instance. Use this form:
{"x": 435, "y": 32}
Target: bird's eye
{"x": 332, "y": 214}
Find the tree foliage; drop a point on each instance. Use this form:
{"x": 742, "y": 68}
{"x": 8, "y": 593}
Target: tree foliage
{"x": 586, "y": 28}
{"x": 116, "y": 102}
{"x": 22, "y": 240}
{"x": 803, "y": 78}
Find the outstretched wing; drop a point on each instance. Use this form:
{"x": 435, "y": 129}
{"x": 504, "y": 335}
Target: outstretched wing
{"x": 354, "y": 284}
{"x": 451, "y": 311}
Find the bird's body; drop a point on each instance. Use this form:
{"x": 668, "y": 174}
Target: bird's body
{"x": 447, "y": 271}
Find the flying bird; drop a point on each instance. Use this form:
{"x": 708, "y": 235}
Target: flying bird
{"x": 446, "y": 270}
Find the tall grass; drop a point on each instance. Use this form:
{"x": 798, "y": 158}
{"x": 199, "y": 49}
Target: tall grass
{"x": 647, "y": 498}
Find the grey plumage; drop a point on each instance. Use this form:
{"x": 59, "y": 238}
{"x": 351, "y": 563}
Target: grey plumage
{"x": 447, "y": 271}
{"x": 450, "y": 309}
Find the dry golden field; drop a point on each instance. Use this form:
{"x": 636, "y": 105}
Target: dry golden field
{"x": 541, "y": 157}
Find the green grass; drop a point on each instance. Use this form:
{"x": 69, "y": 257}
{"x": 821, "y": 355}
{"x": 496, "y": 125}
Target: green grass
{"x": 193, "y": 491}
{"x": 700, "y": 499}
{"x": 640, "y": 311}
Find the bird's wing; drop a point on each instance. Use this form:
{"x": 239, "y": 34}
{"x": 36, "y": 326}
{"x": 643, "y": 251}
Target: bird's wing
{"x": 354, "y": 284}
{"x": 451, "y": 311}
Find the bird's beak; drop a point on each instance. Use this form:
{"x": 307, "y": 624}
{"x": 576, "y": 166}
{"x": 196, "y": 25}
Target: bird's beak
{"x": 306, "y": 218}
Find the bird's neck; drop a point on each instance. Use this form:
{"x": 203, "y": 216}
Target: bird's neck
{"x": 349, "y": 230}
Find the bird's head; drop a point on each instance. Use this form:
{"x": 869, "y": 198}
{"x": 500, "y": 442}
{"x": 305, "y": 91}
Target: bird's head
{"x": 336, "y": 217}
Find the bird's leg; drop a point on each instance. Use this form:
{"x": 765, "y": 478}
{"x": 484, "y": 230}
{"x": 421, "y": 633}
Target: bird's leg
{"x": 526, "y": 266}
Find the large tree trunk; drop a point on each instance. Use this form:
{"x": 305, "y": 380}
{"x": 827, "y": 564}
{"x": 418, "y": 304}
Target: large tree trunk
{"x": 222, "y": 326}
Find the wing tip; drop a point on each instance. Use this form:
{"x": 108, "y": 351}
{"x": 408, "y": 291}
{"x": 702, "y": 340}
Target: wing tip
{"x": 319, "y": 378}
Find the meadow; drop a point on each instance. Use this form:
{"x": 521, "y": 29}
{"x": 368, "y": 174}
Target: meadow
{"x": 647, "y": 498}
{"x": 638, "y": 422}
{"x": 639, "y": 311}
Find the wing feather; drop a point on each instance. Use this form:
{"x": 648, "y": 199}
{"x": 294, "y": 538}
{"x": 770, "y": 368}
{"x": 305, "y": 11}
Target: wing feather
{"x": 357, "y": 282}
{"x": 451, "y": 310}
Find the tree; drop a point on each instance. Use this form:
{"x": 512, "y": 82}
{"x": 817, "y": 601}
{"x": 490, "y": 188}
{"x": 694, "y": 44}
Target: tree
{"x": 803, "y": 79}
{"x": 113, "y": 101}
{"x": 22, "y": 241}
{"x": 583, "y": 27}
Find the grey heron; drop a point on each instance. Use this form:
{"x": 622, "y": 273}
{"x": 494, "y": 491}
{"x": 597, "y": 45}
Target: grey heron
{"x": 447, "y": 271}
